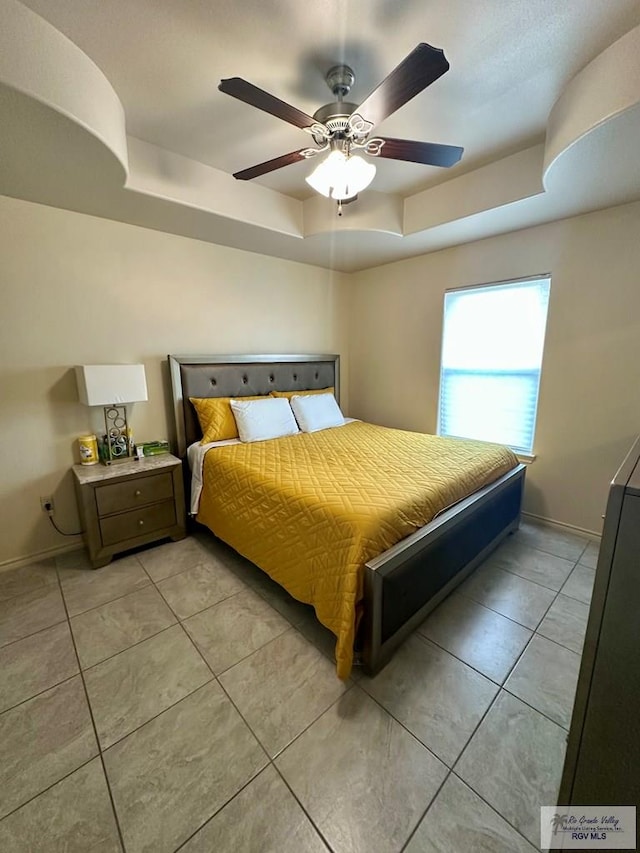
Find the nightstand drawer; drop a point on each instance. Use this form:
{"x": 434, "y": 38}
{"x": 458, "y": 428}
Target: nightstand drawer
{"x": 138, "y": 522}
{"x": 136, "y": 492}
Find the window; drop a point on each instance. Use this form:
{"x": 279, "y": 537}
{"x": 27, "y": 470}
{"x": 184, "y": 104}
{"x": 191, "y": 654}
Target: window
{"x": 492, "y": 345}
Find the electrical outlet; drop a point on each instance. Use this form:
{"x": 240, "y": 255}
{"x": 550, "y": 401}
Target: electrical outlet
{"x": 47, "y": 505}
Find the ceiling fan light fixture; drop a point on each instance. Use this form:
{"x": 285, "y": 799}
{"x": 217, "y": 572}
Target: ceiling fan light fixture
{"x": 341, "y": 177}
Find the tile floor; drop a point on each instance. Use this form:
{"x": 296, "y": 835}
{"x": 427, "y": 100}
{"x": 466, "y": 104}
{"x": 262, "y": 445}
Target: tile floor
{"x": 179, "y": 700}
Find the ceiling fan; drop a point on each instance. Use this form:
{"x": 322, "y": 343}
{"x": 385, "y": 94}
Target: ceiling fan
{"x": 343, "y": 128}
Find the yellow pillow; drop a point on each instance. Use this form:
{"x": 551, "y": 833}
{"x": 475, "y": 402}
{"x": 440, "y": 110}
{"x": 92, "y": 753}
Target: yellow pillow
{"x": 289, "y": 394}
{"x": 216, "y": 418}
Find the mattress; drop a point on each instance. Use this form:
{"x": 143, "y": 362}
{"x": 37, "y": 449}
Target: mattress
{"x": 311, "y": 509}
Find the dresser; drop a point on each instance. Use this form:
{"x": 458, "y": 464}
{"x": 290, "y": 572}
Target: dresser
{"x": 129, "y": 504}
{"x": 603, "y": 750}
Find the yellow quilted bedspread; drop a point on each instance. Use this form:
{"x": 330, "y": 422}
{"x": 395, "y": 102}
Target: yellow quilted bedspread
{"x": 311, "y": 509}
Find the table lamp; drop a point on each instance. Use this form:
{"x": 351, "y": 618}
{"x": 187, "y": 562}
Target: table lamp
{"x": 113, "y": 386}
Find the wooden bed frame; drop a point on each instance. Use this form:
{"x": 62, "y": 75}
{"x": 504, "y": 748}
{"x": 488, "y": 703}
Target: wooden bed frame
{"x": 404, "y": 583}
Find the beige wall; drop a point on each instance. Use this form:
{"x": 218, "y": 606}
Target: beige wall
{"x": 80, "y": 289}
{"x": 589, "y": 406}
{"x": 77, "y": 289}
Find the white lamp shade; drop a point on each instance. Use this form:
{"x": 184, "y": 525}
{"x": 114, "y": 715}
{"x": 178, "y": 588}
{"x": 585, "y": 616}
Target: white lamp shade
{"x": 109, "y": 384}
{"x": 341, "y": 177}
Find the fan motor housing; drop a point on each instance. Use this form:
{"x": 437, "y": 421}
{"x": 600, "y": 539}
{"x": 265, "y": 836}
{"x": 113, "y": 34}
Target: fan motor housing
{"x": 335, "y": 116}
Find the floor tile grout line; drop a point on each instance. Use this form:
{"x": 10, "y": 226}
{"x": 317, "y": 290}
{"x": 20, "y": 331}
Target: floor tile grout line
{"x": 528, "y": 643}
{"x": 474, "y": 732}
{"x": 537, "y": 710}
{"x": 240, "y": 660}
{"x": 546, "y": 611}
{"x": 404, "y": 726}
{"x": 557, "y": 643}
{"x": 39, "y": 588}
{"x": 127, "y": 648}
{"x": 501, "y": 688}
{"x": 93, "y": 723}
{"x": 270, "y": 759}
{"x": 300, "y": 733}
{"x": 561, "y": 590}
{"x": 197, "y": 612}
{"x": 531, "y": 580}
{"x": 494, "y": 809}
{"x": 491, "y": 705}
{"x": 198, "y": 562}
{"x": 470, "y": 665}
{"x": 509, "y": 571}
{"x": 104, "y": 749}
{"x": 426, "y": 811}
{"x": 49, "y": 787}
{"x": 521, "y": 544}
{"x": 39, "y": 693}
{"x": 223, "y": 806}
{"x": 511, "y": 668}
{"x": 237, "y": 710}
{"x": 493, "y": 610}
{"x": 545, "y": 527}
{"x": 261, "y": 592}
{"x": 524, "y": 701}
{"x": 458, "y": 591}
{"x": 296, "y": 738}
{"x": 39, "y": 631}
{"x": 304, "y": 811}
{"x": 568, "y": 648}
{"x": 149, "y": 582}
{"x": 118, "y": 597}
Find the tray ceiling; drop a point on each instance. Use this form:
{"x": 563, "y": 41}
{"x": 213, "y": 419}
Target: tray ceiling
{"x": 511, "y": 62}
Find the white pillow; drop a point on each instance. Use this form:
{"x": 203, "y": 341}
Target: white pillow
{"x": 316, "y": 411}
{"x": 258, "y": 420}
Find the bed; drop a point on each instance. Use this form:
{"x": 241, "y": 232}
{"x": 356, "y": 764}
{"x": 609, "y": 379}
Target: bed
{"x": 394, "y": 590}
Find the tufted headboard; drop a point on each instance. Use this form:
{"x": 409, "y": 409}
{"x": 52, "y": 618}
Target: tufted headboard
{"x": 241, "y": 376}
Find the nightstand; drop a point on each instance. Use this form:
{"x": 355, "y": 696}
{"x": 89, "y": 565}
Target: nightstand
{"x": 130, "y": 504}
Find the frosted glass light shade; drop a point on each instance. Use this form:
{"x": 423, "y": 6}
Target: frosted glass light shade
{"x": 108, "y": 384}
{"x": 341, "y": 177}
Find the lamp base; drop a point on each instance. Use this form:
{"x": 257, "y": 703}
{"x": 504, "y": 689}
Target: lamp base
{"x": 120, "y": 459}
{"x": 117, "y": 444}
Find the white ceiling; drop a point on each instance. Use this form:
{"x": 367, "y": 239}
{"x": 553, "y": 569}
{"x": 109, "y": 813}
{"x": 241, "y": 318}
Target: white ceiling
{"x": 510, "y": 61}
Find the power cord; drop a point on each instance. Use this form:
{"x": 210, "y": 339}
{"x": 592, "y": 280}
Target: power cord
{"x": 62, "y": 532}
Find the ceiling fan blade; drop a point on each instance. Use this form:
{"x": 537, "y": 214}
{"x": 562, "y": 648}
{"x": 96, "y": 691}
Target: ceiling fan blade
{"x": 269, "y": 166}
{"x": 250, "y": 94}
{"x": 417, "y": 71}
{"x": 427, "y": 153}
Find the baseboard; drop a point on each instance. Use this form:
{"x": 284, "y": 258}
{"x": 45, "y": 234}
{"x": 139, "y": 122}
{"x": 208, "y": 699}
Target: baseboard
{"x": 47, "y": 554}
{"x": 550, "y": 522}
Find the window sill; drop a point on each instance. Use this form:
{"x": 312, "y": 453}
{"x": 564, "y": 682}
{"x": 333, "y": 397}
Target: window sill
{"x": 526, "y": 458}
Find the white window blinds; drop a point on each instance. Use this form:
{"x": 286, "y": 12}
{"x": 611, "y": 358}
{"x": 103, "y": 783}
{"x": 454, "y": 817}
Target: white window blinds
{"x": 493, "y": 338}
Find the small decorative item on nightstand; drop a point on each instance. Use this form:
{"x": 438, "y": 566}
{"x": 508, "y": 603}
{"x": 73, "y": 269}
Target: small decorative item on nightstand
{"x": 88, "y": 448}
{"x": 152, "y": 448}
{"x": 124, "y": 506}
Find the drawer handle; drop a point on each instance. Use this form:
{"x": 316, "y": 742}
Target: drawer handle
{"x": 137, "y": 493}
{"x": 140, "y": 523}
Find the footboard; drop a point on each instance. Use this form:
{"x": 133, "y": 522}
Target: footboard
{"x": 406, "y": 582}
